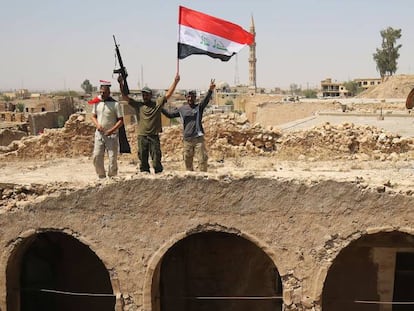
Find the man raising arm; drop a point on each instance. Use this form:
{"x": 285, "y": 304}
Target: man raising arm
{"x": 148, "y": 113}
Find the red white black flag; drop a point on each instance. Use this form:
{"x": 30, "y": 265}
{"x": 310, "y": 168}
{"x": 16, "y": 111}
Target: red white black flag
{"x": 200, "y": 33}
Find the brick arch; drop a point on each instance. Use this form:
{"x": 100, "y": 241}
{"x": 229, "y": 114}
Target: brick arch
{"x": 154, "y": 264}
{"x": 363, "y": 256}
{"x": 324, "y": 268}
{"x": 66, "y": 240}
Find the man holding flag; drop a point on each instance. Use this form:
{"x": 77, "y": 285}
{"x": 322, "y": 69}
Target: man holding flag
{"x": 191, "y": 114}
{"x": 203, "y": 34}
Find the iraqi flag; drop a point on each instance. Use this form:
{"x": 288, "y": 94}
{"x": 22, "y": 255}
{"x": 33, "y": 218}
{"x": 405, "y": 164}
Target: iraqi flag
{"x": 200, "y": 33}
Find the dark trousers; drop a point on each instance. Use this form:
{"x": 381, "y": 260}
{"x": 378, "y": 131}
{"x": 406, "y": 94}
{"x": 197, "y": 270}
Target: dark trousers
{"x": 149, "y": 145}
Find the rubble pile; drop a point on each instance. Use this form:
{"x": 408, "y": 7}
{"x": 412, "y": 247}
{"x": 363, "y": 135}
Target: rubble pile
{"x": 346, "y": 141}
{"x": 13, "y": 195}
{"x": 74, "y": 139}
{"x": 229, "y": 136}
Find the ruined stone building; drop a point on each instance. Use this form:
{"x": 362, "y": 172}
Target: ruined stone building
{"x": 331, "y": 88}
{"x": 200, "y": 242}
{"x": 367, "y": 83}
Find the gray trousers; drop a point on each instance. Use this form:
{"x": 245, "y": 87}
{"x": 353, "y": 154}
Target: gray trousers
{"x": 111, "y": 145}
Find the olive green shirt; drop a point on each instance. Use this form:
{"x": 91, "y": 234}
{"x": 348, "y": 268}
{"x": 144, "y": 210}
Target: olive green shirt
{"x": 148, "y": 115}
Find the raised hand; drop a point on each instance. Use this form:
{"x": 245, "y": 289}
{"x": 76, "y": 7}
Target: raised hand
{"x": 212, "y": 84}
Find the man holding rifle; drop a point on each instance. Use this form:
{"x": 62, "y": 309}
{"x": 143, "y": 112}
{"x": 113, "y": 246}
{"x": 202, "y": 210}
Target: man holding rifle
{"x": 148, "y": 113}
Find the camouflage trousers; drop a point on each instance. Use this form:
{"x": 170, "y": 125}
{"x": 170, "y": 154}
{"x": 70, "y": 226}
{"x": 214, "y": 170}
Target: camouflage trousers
{"x": 195, "y": 146}
{"x": 149, "y": 145}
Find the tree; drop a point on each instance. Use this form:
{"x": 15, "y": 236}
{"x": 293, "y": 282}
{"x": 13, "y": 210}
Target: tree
{"x": 60, "y": 121}
{"x": 386, "y": 57}
{"x": 353, "y": 87}
{"x": 20, "y": 107}
{"x": 87, "y": 86}
{"x": 295, "y": 89}
{"x": 310, "y": 93}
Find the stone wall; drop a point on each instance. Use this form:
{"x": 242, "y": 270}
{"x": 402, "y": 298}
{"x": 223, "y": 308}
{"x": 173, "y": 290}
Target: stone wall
{"x": 64, "y": 107}
{"x": 140, "y": 230}
{"x": 8, "y": 135}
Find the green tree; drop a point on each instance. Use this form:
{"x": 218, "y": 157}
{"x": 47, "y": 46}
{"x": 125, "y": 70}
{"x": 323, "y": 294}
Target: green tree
{"x": 353, "y": 87}
{"x": 386, "y": 57}
{"x": 87, "y": 86}
{"x": 310, "y": 93}
{"x": 20, "y": 107}
{"x": 61, "y": 121}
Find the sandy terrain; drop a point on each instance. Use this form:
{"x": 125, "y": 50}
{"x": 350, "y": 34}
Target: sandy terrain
{"x": 79, "y": 172}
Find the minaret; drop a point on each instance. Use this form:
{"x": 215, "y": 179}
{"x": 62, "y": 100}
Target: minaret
{"x": 252, "y": 60}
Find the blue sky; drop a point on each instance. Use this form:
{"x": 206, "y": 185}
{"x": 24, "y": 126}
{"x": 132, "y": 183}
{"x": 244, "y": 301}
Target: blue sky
{"x": 57, "y": 44}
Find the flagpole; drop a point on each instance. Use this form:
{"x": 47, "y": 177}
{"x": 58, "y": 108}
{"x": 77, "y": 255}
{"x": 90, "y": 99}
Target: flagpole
{"x": 179, "y": 39}
{"x": 178, "y": 66}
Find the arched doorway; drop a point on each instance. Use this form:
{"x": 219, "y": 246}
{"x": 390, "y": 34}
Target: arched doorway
{"x": 54, "y": 271}
{"x": 216, "y": 271}
{"x": 373, "y": 273}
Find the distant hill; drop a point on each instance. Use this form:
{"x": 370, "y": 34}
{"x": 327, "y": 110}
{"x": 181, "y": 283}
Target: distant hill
{"x": 398, "y": 86}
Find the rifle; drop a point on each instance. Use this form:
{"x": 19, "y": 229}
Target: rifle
{"x": 122, "y": 70}
{"x": 123, "y": 140}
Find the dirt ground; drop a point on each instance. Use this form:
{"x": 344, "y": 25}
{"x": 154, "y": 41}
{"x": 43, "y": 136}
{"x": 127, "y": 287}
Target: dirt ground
{"x": 79, "y": 172}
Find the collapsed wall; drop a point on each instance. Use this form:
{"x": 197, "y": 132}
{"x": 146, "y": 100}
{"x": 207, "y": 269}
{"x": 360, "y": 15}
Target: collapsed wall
{"x": 147, "y": 232}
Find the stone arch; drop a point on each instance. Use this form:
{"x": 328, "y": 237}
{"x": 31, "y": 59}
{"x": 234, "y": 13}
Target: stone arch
{"x": 201, "y": 237}
{"x": 377, "y": 266}
{"x": 53, "y": 269}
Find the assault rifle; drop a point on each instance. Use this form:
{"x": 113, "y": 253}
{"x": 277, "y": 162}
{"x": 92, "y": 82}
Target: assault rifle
{"x": 122, "y": 70}
{"x": 123, "y": 139}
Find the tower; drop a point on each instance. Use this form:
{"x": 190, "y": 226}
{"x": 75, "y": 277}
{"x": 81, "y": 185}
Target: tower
{"x": 252, "y": 59}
